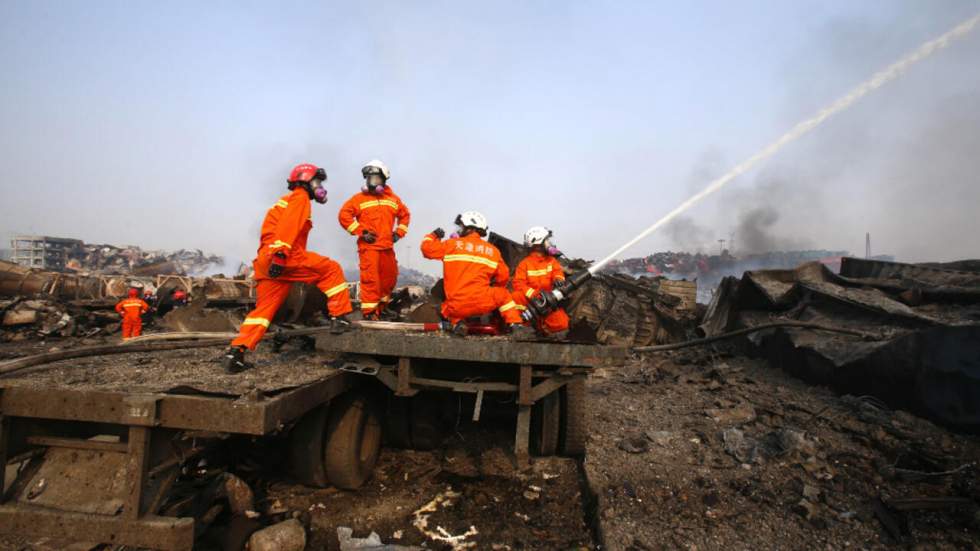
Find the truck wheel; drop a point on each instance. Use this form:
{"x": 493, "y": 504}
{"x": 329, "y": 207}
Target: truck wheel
{"x": 428, "y": 427}
{"x": 306, "y": 448}
{"x": 398, "y": 422}
{"x": 546, "y": 425}
{"x": 574, "y": 425}
{"x": 352, "y": 442}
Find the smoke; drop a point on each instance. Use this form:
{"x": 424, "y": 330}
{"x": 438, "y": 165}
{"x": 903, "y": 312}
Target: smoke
{"x": 903, "y": 164}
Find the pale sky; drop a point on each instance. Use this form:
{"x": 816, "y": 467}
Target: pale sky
{"x": 174, "y": 125}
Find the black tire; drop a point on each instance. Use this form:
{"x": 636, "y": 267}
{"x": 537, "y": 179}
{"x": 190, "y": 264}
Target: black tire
{"x": 352, "y": 442}
{"x": 428, "y": 426}
{"x": 574, "y": 422}
{"x": 546, "y": 425}
{"x": 306, "y": 448}
{"x": 398, "y": 422}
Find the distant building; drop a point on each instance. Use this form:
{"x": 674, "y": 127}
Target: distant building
{"x": 43, "y": 252}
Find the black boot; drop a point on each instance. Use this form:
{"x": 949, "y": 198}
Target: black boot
{"x": 234, "y": 360}
{"x": 340, "y": 324}
{"x": 460, "y": 330}
{"x": 278, "y": 341}
{"x": 522, "y": 332}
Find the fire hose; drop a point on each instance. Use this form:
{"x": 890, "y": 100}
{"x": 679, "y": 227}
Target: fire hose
{"x": 548, "y": 301}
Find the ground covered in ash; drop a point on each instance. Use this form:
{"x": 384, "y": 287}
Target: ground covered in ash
{"x": 187, "y": 370}
{"x": 701, "y": 451}
{"x": 472, "y": 488}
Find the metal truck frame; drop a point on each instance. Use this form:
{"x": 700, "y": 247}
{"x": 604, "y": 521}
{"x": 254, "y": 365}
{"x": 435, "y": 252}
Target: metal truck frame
{"x": 155, "y": 434}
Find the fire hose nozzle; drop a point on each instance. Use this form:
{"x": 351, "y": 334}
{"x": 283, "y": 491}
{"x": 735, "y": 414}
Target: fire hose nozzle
{"x": 547, "y": 302}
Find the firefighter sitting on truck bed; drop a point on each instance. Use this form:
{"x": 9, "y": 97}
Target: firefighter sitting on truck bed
{"x": 474, "y": 274}
{"x": 540, "y": 272}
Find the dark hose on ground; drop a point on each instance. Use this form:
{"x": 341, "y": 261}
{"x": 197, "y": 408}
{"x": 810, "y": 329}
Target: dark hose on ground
{"x": 150, "y": 346}
{"x": 102, "y": 350}
{"x": 746, "y": 331}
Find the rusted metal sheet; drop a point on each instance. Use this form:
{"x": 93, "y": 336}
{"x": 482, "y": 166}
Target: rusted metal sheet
{"x": 208, "y": 413}
{"x": 294, "y": 404}
{"x": 478, "y": 349}
{"x": 150, "y": 532}
{"x": 79, "y": 481}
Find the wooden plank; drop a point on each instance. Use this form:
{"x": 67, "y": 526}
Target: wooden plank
{"x": 139, "y": 449}
{"x": 548, "y": 386}
{"x": 524, "y": 387}
{"x": 4, "y": 451}
{"x": 471, "y": 349}
{"x": 78, "y": 444}
{"x": 459, "y": 386}
{"x": 404, "y": 377}
{"x": 522, "y": 437}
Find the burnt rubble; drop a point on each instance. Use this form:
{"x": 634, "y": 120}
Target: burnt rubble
{"x": 620, "y": 309}
{"x": 923, "y": 356}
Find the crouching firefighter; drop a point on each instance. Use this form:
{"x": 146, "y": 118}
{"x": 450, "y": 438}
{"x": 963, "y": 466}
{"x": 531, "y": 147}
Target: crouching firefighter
{"x": 372, "y": 215}
{"x": 540, "y": 272}
{"x": 474, "y": 274}
{"x": 283, "y": 260}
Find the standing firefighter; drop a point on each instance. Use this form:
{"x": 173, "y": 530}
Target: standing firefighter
{"x": 283, "y": 259}
{"x": 474, "y": 273}
{"x": 372, "y": 216}
{"x": 540, "y": 272}
{"x": 132, "y": 309}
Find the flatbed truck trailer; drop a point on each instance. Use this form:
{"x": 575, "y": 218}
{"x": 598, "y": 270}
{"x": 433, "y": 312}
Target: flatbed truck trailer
{"x": 99, "y": 444}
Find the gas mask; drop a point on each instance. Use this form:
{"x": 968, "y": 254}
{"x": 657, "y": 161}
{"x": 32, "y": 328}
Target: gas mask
{"x": 551, "y": 247}
{"x": 318, "y": 191}
{"x": 374, "y": 183}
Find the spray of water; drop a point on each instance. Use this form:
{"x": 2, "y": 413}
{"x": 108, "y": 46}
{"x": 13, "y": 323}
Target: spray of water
{"x": 888, "y": 74}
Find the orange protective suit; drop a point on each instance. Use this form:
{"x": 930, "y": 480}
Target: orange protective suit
{"x": 132, "y": 309}
{"x": 377, "y": 213}
{"x": 285, "y": 229}
{"x": 469, "y": 266}
{"x": 536, "y": 273}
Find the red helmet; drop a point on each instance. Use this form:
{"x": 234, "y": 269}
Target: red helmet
{"x": 306, "y": 173}
{"x": 133, "y": 292}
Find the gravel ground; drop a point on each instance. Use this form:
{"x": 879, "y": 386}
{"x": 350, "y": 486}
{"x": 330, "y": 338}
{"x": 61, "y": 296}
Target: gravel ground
{"x": 696, "y": 451}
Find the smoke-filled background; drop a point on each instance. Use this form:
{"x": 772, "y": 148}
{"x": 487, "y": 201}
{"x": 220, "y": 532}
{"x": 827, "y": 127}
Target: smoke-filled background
{"x": 174, "y": 125}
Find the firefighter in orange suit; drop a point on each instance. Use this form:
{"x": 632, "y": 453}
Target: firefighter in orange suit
{"x": 474, "y": 274}
{"x": 132, "y": 309}
{"x": 283, "y": 260}
{"x": 539, "y": 272}
{"x": 379, "y": 219}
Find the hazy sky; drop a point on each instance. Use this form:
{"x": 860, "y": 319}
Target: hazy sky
{"x": 174, "y": 124}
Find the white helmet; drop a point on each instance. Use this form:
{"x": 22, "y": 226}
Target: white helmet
{"x": 536, "y": 236}
{"x": 376, "y": 167}
{"x": 472, "y": 219}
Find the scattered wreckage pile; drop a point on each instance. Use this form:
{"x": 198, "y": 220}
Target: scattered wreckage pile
{"x": 917, "y": 331}
{"x": 40, "y": 304}
{"x": 619, "y": 309}
{"x": 708, "y": 270}
{"x": 131, "y": 260}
